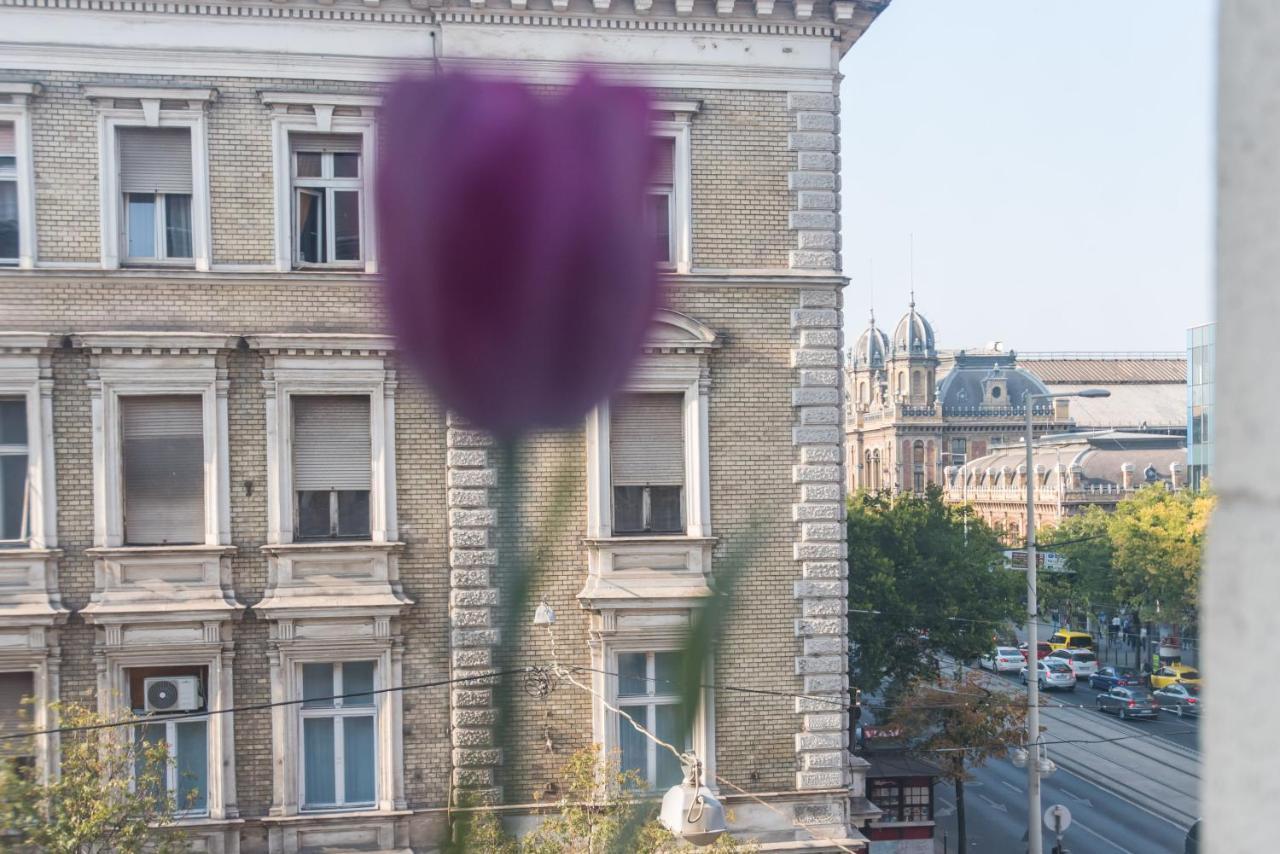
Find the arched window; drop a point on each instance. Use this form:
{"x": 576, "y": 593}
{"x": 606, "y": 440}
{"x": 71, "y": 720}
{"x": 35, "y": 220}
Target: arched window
{"x": 862, "y": 392}
{"x": 917, "y": 385}
{"x": 875, "y": 470}
{"x": 917, "y": 466}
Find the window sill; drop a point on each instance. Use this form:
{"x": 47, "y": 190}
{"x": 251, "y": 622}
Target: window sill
{"x": 157, "y": 264}
{"x": 333, "y": 815}
{"x": 647, "y": 539}
{"x": 324, "y": 546}
{"x": 161, "y": 551}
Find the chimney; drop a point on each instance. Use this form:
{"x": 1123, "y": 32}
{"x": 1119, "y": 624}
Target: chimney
{"x": 1126, "y": 476}
{"x": 1061, "y": 409}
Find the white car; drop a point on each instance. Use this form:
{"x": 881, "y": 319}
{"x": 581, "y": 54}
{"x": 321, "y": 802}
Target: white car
{"x": 1002, "y": 659}
{"x": 1053, "y": 674}
{"x": 1083, "y": 662}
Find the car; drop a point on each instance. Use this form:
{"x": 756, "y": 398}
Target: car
{"x": 1128, "y": 701}
{"x": 1042, "y": 649}
{"x": 1171, "y": 673}
{"x": 1052, "y": 674}
{"x": 1107, "y": 678}
{"x": 1067, "y": 639}
{"x": 1083, "y": 662}
{"x": 1180, "y": 697}
{"x": 1002, "y": 659}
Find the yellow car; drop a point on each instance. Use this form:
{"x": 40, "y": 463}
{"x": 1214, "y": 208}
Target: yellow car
{"x": 1174, "y": 673}
{"x": 1067, "y": 639}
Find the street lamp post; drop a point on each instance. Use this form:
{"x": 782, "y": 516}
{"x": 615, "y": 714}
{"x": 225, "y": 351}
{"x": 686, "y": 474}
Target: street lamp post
{"x": 1035, "y": 841}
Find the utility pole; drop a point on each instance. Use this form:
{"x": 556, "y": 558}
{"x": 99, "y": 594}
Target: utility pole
{"x": 1035, "y": 840}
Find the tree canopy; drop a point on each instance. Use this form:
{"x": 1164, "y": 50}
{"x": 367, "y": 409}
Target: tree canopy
{"x": 922, "y": 581}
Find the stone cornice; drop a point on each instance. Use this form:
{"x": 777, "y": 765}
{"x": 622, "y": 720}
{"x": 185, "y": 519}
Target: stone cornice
{"x": 27, "y": 342}
{"x": 154, "y": 342}
{"x": 791, "y": 17}
{"x": 321, "y": 343}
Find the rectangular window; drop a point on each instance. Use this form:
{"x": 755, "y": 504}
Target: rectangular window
{"x": 917, "y": 803}
{"x": 332, "y": 466}
{"x": 959, "y": 451}
{"x": 186, "y": 740}
{"x": 661, "y": 205}
{"x": 328, "y": 183}
{"x": 887, "y": 795}
{"x": 8, "y": 194}
{"x": 647, "y": 450}
{"x": 16, "y": 691}
{"x": 15, "y": 496}
{"x": 156, "y": 185}
{"x": 162, "y": 440}
{"x": 338, "y": 717}
{"x": 648, "y": 691}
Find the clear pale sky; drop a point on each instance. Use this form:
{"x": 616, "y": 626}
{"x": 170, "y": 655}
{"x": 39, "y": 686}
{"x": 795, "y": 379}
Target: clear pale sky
{"x": 1052, "y": 160}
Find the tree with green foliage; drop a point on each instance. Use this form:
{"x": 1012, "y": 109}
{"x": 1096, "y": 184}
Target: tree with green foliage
{"x": 958, "y": 723}
{"x": 1089, "y": 584}
{"x": 923, "y": 580}
{"x": 109, "y": 794}
{"x": 1157, "y": 540}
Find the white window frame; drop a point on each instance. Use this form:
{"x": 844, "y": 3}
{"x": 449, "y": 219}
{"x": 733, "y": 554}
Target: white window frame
{"x": 204, "y": 644}
{"x": 171, "y": 769}
{"x": 22, "y": 450}
{"x": 159, "y": 226}
{"x": 26, "y": 372}
{"x": 321, "y": 119}
{"x": 111, "y": 117}
{"x": 14, "y": 101}
{"x": 679, "y": 128}
{"x": 621, "y": 632}
{"x": 650, "y": 701}
{"x": 335, "y": 640}
{"x": 338, "y": 713}
{"x": 140, "y": 364}
{"x": 326, "y": 186}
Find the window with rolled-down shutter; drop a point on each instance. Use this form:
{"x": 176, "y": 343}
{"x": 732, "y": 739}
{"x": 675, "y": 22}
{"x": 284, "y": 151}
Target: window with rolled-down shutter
{"x": 332, "y": 465}
{"x": 162, "y": 440}
{"x": 15, "y": 711}
{"x": 155, "y": 160}
{"x": 647, "y": 451}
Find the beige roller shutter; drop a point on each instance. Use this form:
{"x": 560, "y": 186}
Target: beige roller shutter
{"x": 163, "y": 445}
{"x": 332, "y": 142}
{"x": 664, "y": 170}
{"x": 155, "y": 160}
{"x": 8, "y": 142}
{"x": 332, "y": 448}
{"x": 646, "y": 440}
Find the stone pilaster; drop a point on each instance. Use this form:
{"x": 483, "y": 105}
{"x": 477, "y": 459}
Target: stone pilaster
{"x": 814, "y": 186}
{"x": 820, "y": 548}
{"x": 473, "y": 618}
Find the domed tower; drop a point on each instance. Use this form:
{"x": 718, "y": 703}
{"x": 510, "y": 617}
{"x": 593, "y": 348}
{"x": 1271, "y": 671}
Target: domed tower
{"x": 913, "y": 360}
{"x": 867, "y": 367}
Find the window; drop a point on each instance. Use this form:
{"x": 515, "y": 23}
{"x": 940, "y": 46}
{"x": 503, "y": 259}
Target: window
{"x": 647, "y": 458}
{"x": 8, "y": 193}
{"x": 888, "y": 796}
{"x": 15, "y": 510}
{"x": 338, "y": 719}
{"x": 331, "y": 467}
{"x": 186, "y": 776}
{"x": 647, "y": 691}
{"x": 328, "y": 180}
{"x": 662, "y": 201}
{"x": 16, "y": 714}
{"x": 917, "y": 466}
{"x": 917, "y": 803}
{"x": 959, "y": 451}
{"x": 156, "y": 187}
{"x": 162, "y": 443}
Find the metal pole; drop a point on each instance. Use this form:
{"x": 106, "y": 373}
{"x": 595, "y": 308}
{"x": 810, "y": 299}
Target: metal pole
{"x": 1035, "y": 841}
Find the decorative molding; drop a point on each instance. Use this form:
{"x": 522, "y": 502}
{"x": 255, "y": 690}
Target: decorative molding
{"x": 820, "y": 549}
{"x": 20, "y": 90}
{"x": 192, "y": 96}
{"x": 473, "y": 599}
{"x": 683, "y": 109}
{"x": 321, "y": 344}
{"x": 311, "y": 99}
{"x": 154, "y": 343}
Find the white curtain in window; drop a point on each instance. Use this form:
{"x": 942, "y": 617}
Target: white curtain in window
{"x": 646, "y": 440}
{"x": 155, "y": 160}
{"x": 162, "y": 440}
{"x": 332, "y": 448}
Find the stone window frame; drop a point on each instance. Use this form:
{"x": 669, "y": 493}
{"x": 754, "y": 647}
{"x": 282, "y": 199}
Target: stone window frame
{"x": 141, "y": 646}
{"x": 679, "y": 128}
{"x": 152, "y": 114}
{"x": 617, "y": 632}
{"x": 15, "y": 107}
{"x": 307, "y": 364}
{"x": 289, "y": 114}
{"x": 34, "y": 649}
{"x": 26, "y": 371}
{"x": 157, "y": 363}
{"x": 298, "y": 642}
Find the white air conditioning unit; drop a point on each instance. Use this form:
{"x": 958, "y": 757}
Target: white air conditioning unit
{"x": 172, "y": 693}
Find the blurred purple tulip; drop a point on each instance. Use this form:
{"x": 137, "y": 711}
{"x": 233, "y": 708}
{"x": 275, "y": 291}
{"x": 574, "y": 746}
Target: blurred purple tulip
{"x": 520, "y": 277}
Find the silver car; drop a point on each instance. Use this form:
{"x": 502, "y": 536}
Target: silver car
{"x": 1180, "y": 698}
{"x": 1053, "y": 673}
{"x": 1083, "y": 662}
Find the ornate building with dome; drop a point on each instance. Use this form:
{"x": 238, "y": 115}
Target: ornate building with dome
{"x": 913, "y": 411}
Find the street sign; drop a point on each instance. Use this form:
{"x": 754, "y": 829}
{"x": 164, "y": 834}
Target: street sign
{"x": 1045, "y": 561}
{"x": 1057, "y": 818}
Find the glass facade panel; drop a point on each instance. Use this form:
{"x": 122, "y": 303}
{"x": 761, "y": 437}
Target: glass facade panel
{"x": 1200, "y": 404}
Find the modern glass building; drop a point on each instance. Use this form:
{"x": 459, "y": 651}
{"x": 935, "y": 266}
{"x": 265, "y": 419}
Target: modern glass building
{"x": 1200, "y": 369}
